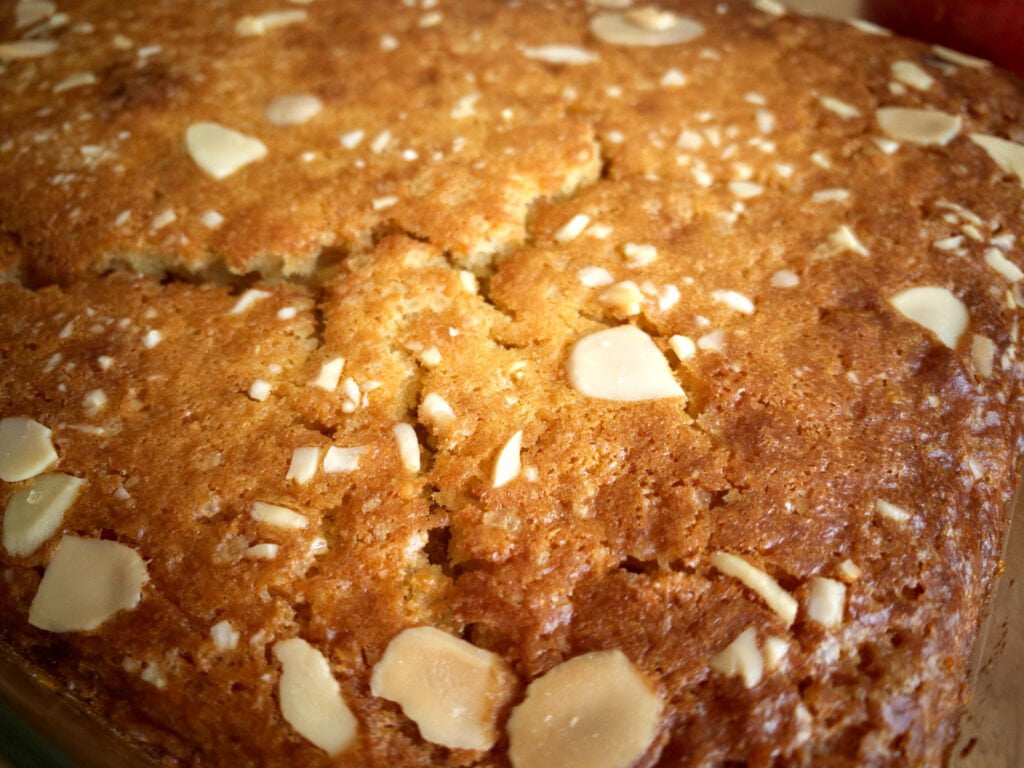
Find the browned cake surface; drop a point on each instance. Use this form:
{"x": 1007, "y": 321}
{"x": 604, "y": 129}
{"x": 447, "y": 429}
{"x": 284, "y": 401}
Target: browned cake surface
{"x": 723, "y": 153}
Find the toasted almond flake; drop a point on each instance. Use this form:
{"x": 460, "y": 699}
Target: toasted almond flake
{"x": 1008, "y": 155}
{"x": 408, "y": 446}
{"x": 745, "y": 190}
{"x": 508, "y": 464}
{"x": 468, "y": 281}
{"x": 995, "y": 259}
{"x": 595, "y": 277}
{"x": 848, "y": 571}
{"x": 86, "y": 582}
{"x": 785, "y": 278}
{"x": 104, "y": 362}
{"x": 435, "y": 412}
{"x": 909, "y": 73}
{"x": 264, "y": 551}
{"x": 451, "y": 689}
{"x": 599, "y": 231}
{"x": 259, "y": 390}
{"x": 639, "y": 255}
{"x": 431, "y": 19}
{"x": 162, "y": 219}
{"x": 249, "y": 26}
{"x": 955, "y": 57}
{"x": 839, "y": 107}
{"x": 689, "y": 140}
{"x": 560, "y": 54}
{"x": 573, "y": 228}
{"x": 35, "y": 513}
{"x": 352, "y": 139}
{"x": 621, "y": 364}
{"x": 330, "y": 374}
{"x": 843, "y": 239}
{"x": 983, "y": 352}
{"x": 623, "y": 298}
{"x": 247, "y": 299}
{"x": 771, "y": 7}
{"x": 830, "y": 196}
{"x": 221, "y": 151}
{"x": 388, "y": 43}
{"x": 774, "y": 652}
{"x": 918, "y": 126}
{"x": 778, "y": 599}
{"x": 668, "y": 297}
{"x": 593, "y": 711}
{"x": 891, "y": 511}
{"x": 826, "y": 602}
{"x": 646, "y": 26}
{"x": 302, "y": 467}
{"x": 381, "y": 142}
{"x": 934, "y": 308}
{"x": 683, "y": 346}
{"x": 867, "y": 27}
{"x": 26, "y": 449}
{"x": 672, "y": 78}
{"x": 741, "y": 658}
{"x": 76, "y": 80}
{"x": 26, "y": 49}
{"x": 713, "y": 341}
{"x": 224, "y": 635}
{"x": 29, "y": 12}
{"x": 212, "y": 219}
{"x": 94, "y": 401}
{"x": 465, "y": 107}
{"x": 310, "y": 698}
{"x": 430, "y": 357}
{"x": 765, "y": 120}
{"x": 949, "y": 243}
{"x": 734, "y": 300}
{"x": 293, "y": 109}
{"x": 277, "y": 516}
{"x": 343, "y": 458}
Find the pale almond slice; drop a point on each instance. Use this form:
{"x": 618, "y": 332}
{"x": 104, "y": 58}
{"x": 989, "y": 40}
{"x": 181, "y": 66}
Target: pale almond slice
{"x": 826, "y": 602}
{"x": 560, "y": 54}
{"x": 310, "y": 698}
{"x": 451, "y": 689}
{"x": 962, "y": 59}
{"x": 621, "y": 364}
{"x": 983, "y": 351}
{"x": 249, "y": 26}
{"x": 221, "y": 151}
{"x": 86, "y": 582}
{"x": 343, "y": 458}
{"x": 909, "y": 73}
{"x": 891, "y": 511}
{"x": 778, "y": 599}
{"x": 408, "y": 446}
{"x": 26, "y": 449}
{"x": 293, "y": 109}
{"x": 247, "y": 300}
{"x": 35, "y": 513}
{"x": 29, "y": 12}
{"x": 594, "y": 711}
{"x": 330, "y": 374}
{"x": 436, "y": 413}
{"x": 774, "y": 652}
{"x": 741, "y": 658}
{"x": 934, "y": 308}
{"x": 277, "y": 516}
{"x": 26, "y": 49}
{"x": 646, "y": 26}
{"x": 302, "y": 468}
{"x": 1008, "y": 155}
{"x": 995, "y": 259}
{"x": 508, "y": 464}
{"x": 918, "y": 126}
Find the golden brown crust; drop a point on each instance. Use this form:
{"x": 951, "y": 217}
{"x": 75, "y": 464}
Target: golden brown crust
{"x": 798, "y": 417}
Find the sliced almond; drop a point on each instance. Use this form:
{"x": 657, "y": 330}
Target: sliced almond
{"x": 310, "y": 698}
{"x": 293, "y": 109}
{"x": 277, "y": 516}
{"x": 741, "y": 658}
{"x": 621, "y": 364}
{"x": 330, "y": 374}
{"x": 826, "y": 601}
{"x": 508, "y": 464}
{"x": 436, "y": 413}
{"x": 909, "y": 73}
{"x": 29, "y": 12}
{"x": 560, "y": 54}
{"x": 983, "y": 352}
{"x": 26, "y": 49}
{"x": 35, "y": 513}
{"x": 935, "y": 309}
{"x": 647, "y": 26}
{"x": 1008, "y": 155}
{"x": 86, "y": 582}
{"x": 408, "y": 446}
{"x": 221, "y": 151}
{"x": 302, "y": 468}
{"x": 774, "y": 652}
{"x": 624, "y": 298}
{"x": 249, "y": 26}
{"x": 778, "y": 599}
{"x": 343, "y": 458}
{"x": 955, "y": 57}
{"x": 995, "y": 259}
{"x": 918, "y": 126}
{"x": 451, "y": 689}
{"x": 594, "y": 711}
{"x": 734, "y": 300}
{"x": 891, "y": 511}
{"x": 26, "y": 449}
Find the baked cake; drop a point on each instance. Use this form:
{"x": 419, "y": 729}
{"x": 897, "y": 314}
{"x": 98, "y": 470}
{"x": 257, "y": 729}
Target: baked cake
{"x": 504, "y": 384}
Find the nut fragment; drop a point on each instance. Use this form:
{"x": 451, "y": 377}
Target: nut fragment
{"x": 25, "y": 449}
{"x": 35, "y": 513}
{"x": 935, "y": 309}
{"x": 734, "y": 300}
{"x": 741, "y": 658}
{"x": 1008, "y": 155}
{"x": 647, "y": 26}
{"x": 330, "y": 374}
{"x": 221, "y": 151}
{"x": 623, "y": 298}
{"x": 247, "y": 299}
{"x": 683, "y": 346}
{"x": 451, "y": 689}
{"x": 435, "y": 412}
{"x": 621, "y": 364}
{"x": 86, "y": 582}
{"x": 302, "y": 468}
{"x": 995, "y": 259}
{"x": 983, "y": 351}
{"x": 593, "y": 711}
{"x": 909, "y": 73}
{"x": 918, "y": 126}
{"x": 560, "y": 54}
{"x": 826, "y": 602}
{"x": 310, "y": 697}
{"x": 778, "y": 599}
{"x": 293, "y": 109}
{"x": 508, "y": 464}
{"x": 277, "y": 516}
{"x": 955, "y": 57}
{"x": 891, "y": 511}
{"x": 408, "y": 446}
{"x": 343, "y": 459}
{"x": 774, "y": 651}
{"x": 248, "y": 26}
{"x": 26, "y": 49}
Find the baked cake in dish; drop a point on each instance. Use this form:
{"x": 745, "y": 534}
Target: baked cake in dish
{"x": 504, "y": 383}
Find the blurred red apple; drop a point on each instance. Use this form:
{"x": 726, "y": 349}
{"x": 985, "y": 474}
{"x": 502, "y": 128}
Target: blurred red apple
{"x": 992, "y": 29}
